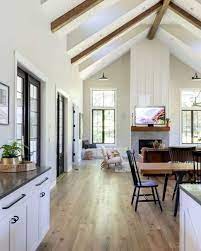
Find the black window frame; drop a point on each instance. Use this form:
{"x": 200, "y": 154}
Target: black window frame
{"x": 192, "y": 125}
{"x": 103, "y": 126}
{"x": 29, "y": 80}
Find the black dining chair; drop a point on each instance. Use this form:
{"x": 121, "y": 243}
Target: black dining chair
{"x": 139, "y": 184}
{"x": 180, "y": 155}
{"x": 197, "y": 167}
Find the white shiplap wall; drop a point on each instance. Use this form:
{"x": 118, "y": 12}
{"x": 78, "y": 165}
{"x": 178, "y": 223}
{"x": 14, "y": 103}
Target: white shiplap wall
{"x": 149, "y": 74}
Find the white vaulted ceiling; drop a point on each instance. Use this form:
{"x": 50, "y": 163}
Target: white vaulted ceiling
{"x": 56, "y": 8}
{"x": 181, "y": 36}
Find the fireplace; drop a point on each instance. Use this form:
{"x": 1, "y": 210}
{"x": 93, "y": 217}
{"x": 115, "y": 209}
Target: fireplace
{"x": 146, "y": 136}
{"x": 147, "y": 143}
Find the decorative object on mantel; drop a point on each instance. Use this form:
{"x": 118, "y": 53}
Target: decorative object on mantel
{"x": 10, "y": 159}
{"x": 156, "y": 144}
{"x": 196, "y": 77}
{"x": 167, "y": 121}
{"x": 4, "y": 104}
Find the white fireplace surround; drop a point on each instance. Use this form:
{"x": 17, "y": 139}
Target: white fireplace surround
{"x": 136, "y": 136}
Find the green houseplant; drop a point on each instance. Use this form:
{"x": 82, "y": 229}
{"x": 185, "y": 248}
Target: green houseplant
{"x": 11, "y": 153}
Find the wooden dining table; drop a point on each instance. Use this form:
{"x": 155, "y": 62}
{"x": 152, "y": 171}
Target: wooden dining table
{"x": 167, "y": 169}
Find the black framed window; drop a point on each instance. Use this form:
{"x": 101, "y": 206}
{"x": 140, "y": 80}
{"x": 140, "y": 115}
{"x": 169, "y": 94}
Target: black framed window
{"x": 28, "y": 114}
{"x": 103, "y": 126}
{"x": 191, "y": 126}
{"x": 103, "y": 116}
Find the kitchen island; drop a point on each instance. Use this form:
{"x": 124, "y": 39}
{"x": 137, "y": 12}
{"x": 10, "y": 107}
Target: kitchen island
{"x": 190, "y": 217}
{"x": 24, "y": 209}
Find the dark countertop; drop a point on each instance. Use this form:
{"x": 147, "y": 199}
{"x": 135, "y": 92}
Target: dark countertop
{"x": 193, "y": 190}
{"x": 10, "y": 182}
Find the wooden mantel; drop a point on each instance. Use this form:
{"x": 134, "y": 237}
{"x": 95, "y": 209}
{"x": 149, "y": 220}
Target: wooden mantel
{"x": 150, "y": 129}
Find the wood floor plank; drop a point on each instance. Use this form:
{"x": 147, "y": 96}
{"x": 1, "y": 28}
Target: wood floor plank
{"x": 90, "y": 210}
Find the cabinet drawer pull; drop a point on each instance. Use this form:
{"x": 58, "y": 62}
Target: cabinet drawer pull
{"x": 39, "y": 184}
{"x": 14, "y": 219}
{"x": 42, "y": 194}
{"x": 14, "y": 202}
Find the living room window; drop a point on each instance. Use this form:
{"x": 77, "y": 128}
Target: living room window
{"x": 103, "y": 116}
{"x": 191, "y": 116}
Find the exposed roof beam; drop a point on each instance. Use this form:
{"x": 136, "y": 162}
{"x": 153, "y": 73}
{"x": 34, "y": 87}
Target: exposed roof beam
{"x": 184, "y": 14}
{"x": 86, "y": 72}
{"x": 117, "y": 32}
{"x": 73, "y": 14}
{"x": 157, "y": 21}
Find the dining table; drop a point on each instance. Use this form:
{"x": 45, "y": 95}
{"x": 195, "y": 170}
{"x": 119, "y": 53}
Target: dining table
{"x": 167, "y": 169}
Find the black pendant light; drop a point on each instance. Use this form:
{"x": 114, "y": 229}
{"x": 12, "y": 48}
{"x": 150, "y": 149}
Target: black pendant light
{"x": 103, "y": 78}
{"x": 196, "y": 78}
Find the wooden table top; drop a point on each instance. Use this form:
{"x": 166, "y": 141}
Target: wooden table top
{"x": 164, "y": 168}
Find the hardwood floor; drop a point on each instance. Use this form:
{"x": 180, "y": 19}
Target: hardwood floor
{"x": 91, "y": 210}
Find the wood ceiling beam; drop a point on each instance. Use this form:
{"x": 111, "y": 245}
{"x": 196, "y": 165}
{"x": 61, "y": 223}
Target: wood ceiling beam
{"x": 184, "y": 14}
{"x": 158, "y": 19}
{"x": 73, "y": 14}
{"x": 117, "y": 32}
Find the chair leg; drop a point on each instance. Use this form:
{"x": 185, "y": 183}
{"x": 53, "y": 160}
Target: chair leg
{"x": 165, "y": 186}
{"x": 176, "y": 202}
{"x": 137, "y": 200}
{"x": 159, "y": 202}
{"x": 153, "y": 195}
{"x": 133, "y": 196}
{"x": 175, "y": 189}
{"x": 179, "y": 181}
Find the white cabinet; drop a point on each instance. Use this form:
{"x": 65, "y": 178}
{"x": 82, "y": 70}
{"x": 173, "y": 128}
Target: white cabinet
{"x": 17, "y": 223}
{"x": 190, "y": 227}
{"x": 4, "y": 234}
{"x": 33, "y": 222}
{"x": 25, "y": 216}
{"x": 13, "y": 230}
{"x": 44, "y": 212}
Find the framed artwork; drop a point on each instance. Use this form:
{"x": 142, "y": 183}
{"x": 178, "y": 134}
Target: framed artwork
{"x": 80, "y": 126}
{"x": 4, "y": 104}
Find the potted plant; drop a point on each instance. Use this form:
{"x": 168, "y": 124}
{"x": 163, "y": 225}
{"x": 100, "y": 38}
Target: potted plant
{"x": 11, "y": 153}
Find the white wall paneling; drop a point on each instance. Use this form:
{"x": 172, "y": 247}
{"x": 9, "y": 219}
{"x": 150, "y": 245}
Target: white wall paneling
{"x": 149, "y": 74}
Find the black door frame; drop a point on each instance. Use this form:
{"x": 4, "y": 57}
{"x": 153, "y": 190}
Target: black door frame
{"x": 28, "y": 80}
{"x": 60, "y": 159}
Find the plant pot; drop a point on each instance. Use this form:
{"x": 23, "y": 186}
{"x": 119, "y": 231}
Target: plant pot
{"x": 10, "y": 161}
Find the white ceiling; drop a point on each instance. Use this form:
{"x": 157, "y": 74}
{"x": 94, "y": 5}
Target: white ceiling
{"x": 112, "y": 56}
{"x": 56, "y": 8}
{"x": 88, "y": 33}
{"x": 183, "y": 38}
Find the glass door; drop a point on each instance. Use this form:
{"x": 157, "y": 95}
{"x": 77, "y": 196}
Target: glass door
{"x": 34, "y": 124}
{"x": 28, "y": 115}
{"x": 60, "y": 134}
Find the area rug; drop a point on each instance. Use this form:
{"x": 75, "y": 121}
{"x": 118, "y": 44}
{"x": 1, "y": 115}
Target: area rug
{"x": 123, "y": 168}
